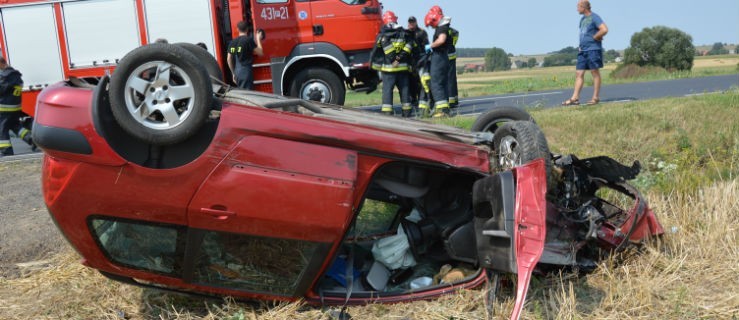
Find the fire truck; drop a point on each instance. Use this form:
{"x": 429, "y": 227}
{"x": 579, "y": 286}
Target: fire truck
{"x": 313, "y": 49}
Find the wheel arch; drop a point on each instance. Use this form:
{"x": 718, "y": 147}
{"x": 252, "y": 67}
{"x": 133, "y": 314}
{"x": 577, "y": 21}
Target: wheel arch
{"x": 324, "y": 55}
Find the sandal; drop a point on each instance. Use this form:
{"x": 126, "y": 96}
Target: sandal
{"x": 571, "y": 102}
{"x": 593, "y": 101}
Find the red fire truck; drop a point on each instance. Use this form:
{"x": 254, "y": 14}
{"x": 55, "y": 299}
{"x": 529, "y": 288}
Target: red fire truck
{"x": 314, "y": 49}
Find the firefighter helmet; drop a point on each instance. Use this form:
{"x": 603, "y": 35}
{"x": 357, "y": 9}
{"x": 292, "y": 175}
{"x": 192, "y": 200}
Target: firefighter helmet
{"x": 433, "y": 18}
{"x": 389, "y": 17}
{"x": 436, "y": 9}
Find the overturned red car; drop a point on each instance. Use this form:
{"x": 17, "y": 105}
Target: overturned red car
{"x": 160, "y": 176}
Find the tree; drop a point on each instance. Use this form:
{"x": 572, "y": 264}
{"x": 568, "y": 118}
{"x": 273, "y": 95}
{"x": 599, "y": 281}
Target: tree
{"x": 532, "y": 62}
{"x": 717, "y": 49}
{"x": 496, "y": 59}
{"x": 611, "y": 55}
{"x": 565, "y": 57}
{"x": 661, "y": 46}
{"x": 567, "y": 50}
{"x": 560, "y": 59}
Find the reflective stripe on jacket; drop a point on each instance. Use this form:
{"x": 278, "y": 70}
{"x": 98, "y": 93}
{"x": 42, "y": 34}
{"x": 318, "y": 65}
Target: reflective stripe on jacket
{"x": 11, "y": 88}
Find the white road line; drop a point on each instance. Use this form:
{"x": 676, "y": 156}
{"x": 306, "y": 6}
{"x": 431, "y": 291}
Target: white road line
{"x": 516, "y": 96}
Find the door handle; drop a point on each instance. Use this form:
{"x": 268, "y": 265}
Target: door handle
{"x": 317, "y": 29}
{"x": 219, "y": 212}
{"x": 370, "y": 10}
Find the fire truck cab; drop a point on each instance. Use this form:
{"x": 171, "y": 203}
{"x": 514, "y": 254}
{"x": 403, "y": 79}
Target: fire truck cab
{"x": 313, "y": 49}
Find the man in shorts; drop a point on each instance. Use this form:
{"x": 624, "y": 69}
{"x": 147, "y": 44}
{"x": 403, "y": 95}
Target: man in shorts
{"x": 590, "y": 55}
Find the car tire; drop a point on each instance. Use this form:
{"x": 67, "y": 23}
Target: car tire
{"x": 160, "y": 94}
{"x": 517, "y": 143}
{"x": 318, "y": 84}
{"x": 493, "y": 119}
{"x": 208, "y": 61}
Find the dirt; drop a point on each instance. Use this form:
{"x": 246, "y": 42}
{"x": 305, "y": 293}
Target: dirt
{"x": 27, "y": 232}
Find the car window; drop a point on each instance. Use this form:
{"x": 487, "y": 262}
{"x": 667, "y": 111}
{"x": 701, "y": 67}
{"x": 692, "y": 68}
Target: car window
{"x": 272, "y": 1}
{"x": 354, "y": 2}
{"x": 156, "y": 248}
{"x": 252, "y": 263}
{"x": 375, "y": 217}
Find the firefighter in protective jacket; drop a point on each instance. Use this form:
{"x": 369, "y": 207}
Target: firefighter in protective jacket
{"x": 439, "y": 49}
{"x": 392, "y": 56}
{"x": 11, "y": 88}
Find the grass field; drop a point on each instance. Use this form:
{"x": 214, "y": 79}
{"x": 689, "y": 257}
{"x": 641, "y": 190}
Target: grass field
{"x": 536, "y": 79}
{"x": 690, "y": 150}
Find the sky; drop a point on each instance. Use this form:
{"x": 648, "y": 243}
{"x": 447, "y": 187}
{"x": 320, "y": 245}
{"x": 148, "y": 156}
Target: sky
{"x": 534, "y": 27}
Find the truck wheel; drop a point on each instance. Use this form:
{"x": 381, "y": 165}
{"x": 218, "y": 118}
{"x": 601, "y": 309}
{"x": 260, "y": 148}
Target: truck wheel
{"x": 517, "y": 143}
{"x": 160, "y": 94}
{"x": 208, "y": 61}
{"x": 495, "y": 118}
{"x": 318, "y": 84}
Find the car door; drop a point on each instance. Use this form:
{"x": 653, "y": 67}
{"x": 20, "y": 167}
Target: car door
{"x": 510, "y": 223}
{"x": 266, "y": 218}
{"x": 279, "y": 20}
{"x": 348, "y": 24}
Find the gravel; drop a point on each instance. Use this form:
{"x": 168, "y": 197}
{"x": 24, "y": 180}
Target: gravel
{"x": 27, "y": 232}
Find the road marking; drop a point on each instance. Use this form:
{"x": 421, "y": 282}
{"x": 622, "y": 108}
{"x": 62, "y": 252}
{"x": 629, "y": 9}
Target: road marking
{"x": 516, "y": 96}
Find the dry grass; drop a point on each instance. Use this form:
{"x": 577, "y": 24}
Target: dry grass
{"x": 690, "y": 273}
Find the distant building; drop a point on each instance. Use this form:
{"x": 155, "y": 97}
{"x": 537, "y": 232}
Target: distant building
{"x": 474, "y": 67}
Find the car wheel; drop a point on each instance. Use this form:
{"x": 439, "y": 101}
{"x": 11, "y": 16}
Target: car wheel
{"x": 318, "y": 84}
{"x": 160, "y": 94}
{"x": 517, "y": 143}
{"x": 208, "y": 61}
{"x": 493, "y": 119}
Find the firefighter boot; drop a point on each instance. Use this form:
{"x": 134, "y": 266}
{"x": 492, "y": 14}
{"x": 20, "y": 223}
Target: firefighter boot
{"x": 7, "y": 152}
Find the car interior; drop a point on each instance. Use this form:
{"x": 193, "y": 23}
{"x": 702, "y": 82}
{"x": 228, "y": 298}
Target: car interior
{"x": 413, "y": 232}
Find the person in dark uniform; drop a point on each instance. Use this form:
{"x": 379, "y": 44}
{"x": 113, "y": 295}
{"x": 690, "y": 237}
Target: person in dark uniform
{"x": 439, "y": 60}
{"x": 241, "y": 53}
{"x": 11, "y": 88}
{"x": 392, "y": 56}
{"x": 421, "y": 39}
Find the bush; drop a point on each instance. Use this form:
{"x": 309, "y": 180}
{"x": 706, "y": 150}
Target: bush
{"x": 661, "y": 46}
{"x": 718, "y": 49}
{"x": 496, "y": 59}
{"x": 628, "y": 71}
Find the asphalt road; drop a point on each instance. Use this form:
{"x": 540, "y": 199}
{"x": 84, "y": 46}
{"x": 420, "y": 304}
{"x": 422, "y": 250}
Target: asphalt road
{"x": 552, "y": 98}
{"x": 609, "y": 94}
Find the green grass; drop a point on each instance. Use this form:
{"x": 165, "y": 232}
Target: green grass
{"x": 682, "y": 143}
{"x": 529, "y": 80}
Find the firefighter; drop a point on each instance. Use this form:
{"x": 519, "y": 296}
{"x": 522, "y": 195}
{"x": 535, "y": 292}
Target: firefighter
{"x": 453, "y": 92}
{"x": 11, "y": 87}
{"x": 439, "y": 48}
{"x": 241, "y": 53}
{"x": 392, "y": 56}
{"x": 421, "y": 39}
{"x": 424, "y": 98}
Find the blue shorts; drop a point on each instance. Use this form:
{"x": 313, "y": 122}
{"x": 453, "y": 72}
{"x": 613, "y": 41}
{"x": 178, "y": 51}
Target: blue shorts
{"x": 590, "y": 60}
